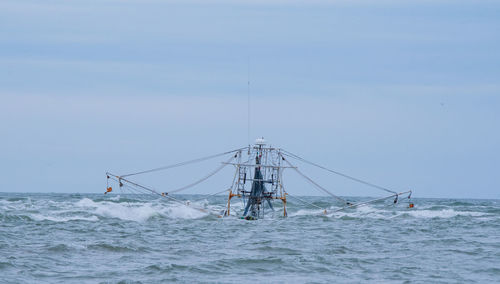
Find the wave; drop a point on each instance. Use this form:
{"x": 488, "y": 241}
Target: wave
{"x": 305, "y": 212}
{"x": 380, "y": 213}
{"x": 41, "y": 217}
{"x": 80, "y": 208}
{"x": 140, "y": 212}
{"x": 445, "y": 213}
{"x": 59, "y": 248}
{"x": 86, "y": 209}
{"x": 115, "y": 248}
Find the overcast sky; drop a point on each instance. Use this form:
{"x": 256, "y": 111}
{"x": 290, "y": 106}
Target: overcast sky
{"x": 405, "y": 94}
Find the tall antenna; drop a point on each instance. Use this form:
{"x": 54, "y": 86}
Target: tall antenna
{"x": 248, "y": 99}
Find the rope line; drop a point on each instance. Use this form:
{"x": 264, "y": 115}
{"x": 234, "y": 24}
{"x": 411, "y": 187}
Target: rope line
{"x": 373, "y": 200}
{"x": 204, "y": 178}
{"x": 314, "y": 205}
{"x": 314, "y": 183}
{"x": 210, "y": 195}
{"x": 183, "y": 163}
{"x": 118, "y": 179}
{"x": 288, "y": 154}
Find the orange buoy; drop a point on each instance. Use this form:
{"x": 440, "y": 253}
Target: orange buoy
{"x": 411, "y": 205}
{"x": 109, "y": 189}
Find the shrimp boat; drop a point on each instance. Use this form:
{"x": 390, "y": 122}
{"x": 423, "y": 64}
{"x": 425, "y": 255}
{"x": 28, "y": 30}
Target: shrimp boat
{"x": 257, "y": 181}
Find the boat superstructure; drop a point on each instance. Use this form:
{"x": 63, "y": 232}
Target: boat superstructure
{"x": 258, "y": 180}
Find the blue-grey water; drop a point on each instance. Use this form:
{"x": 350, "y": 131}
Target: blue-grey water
{"x": 77, "y": 238}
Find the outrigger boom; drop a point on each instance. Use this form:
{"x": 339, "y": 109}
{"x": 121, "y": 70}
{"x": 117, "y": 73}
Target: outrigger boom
{"x": 257, "y": 181}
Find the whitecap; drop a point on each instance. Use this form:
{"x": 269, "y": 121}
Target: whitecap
{"x": 40, "y": 217}
{"x": 306, "y": 212}
{"x": 184, "y": 212}
{"x": 140, "y": 212}
{"x": 445, "y": 213}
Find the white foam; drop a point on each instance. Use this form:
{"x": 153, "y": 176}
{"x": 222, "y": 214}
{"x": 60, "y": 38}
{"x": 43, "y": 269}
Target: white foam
{"x": 371, "y": 212}
{"x": 40, "y": 217}
{"x": 86, "y": 202}
{"x": 360, "y": 212}
{"x": 115, "y": 198}
{"x": 305, "y": 212}
{"x": 184, "y": 212}
{"x": 445, "y": 213}
{"x": 140, "y": 212}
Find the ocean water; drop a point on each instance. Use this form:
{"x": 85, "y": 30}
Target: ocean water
{"x": 78, "y": 238}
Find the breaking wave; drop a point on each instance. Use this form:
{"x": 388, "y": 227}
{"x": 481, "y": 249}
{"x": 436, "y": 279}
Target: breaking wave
{"x": 384, "y": 213}
{"x": 445, "y": 213}
{"x": 40, "y": 217}
{"x": 137, "y": 210}
{"x": 90, "y": 210}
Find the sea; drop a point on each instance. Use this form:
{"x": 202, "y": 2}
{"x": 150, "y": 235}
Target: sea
{"x": 97, "y": 238}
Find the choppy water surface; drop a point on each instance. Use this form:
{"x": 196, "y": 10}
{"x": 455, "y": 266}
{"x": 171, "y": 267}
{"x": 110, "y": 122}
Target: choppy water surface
{"x": 59, "y": 238}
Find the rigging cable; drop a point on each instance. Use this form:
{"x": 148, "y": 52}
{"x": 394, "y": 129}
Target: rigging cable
{"x": 306, "y": 202}
{"x": 183, "y": 163}
{"x": 338, "y": 173}
{"x": 210, "y": 195}
{"x": 373, "y": 200}
{"x": 204, "y": 178}
{"x": 248, "y": 100}
{"x": 118, "y": 179}
{"x": 314, "y": 183}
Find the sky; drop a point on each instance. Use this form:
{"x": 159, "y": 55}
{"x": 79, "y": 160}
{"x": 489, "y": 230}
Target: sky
{"x": 404, "y": 94}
